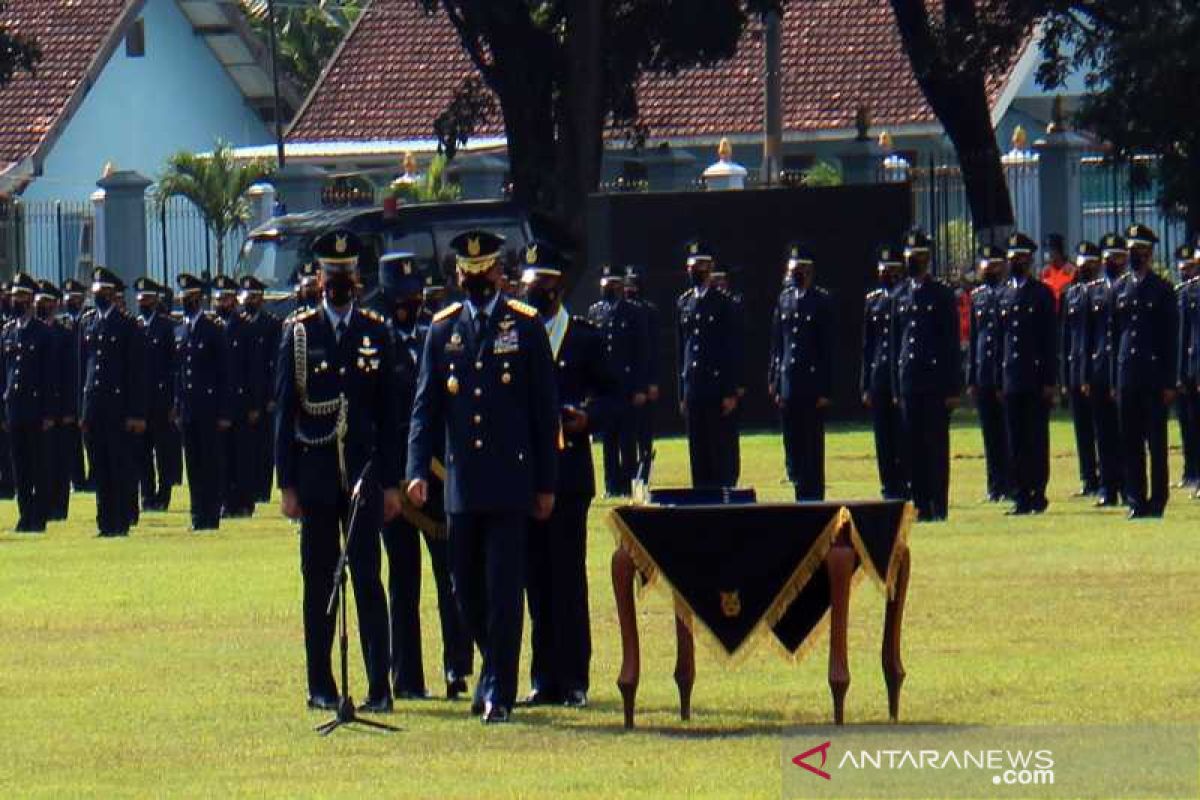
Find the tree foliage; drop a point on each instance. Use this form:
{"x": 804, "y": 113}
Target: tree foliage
{"x": 216, "y": 184}
{"x": 18, "y": 53}
{"x": 309, "y": 32}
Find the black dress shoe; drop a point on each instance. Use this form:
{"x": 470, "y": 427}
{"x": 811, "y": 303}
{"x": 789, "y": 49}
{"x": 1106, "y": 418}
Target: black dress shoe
{"x": 576, "y": 698}
{"x": 1108, "y": 501}
{"x": 1039, "y": 505}
{"x": 542, "y": 697}
{"x": 456, "y": 687}
{"x": 376, "y": 705}
{"x": 495, "y": 714}
{"x": 1145, "y": 512}
{"x": 1018, "y": 510}
{"x": 410, "y": 694}
{"x": 322, "y": 702}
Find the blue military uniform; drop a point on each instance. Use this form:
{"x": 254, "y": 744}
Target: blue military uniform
{"x": 244, "y": 379}
{"x": 1028, "y": 324}
{"x": 202, "y": 397}
{"x": 645, "y": 414}
{"x": 985, "y": 354}
{"x": 1101, "y": 361}
{"x": 487, "y": 389}
{"x": 27, "y": 386}
{"x": 876, "y": 383}
{"x": 1145, "y": 340}
{"x": 401, "y": 283}
{"x": 263, "y": 332}
{"x": 73, "y": 293}
{"x": 64, "y": 366}
{"x": 1074, "y": 361}
{"x": 927, "y": 375}
{"x": 159, "y": 333}
{"x": 623, "y": 323}
{"x": 1188, "y": 404}
{"x": 114, "y": 404}
{"x": 336, "y": 416}
{"x": 560, "y": 626}
{"x": 707, "y": 370}
{"x": 801, "y": 363}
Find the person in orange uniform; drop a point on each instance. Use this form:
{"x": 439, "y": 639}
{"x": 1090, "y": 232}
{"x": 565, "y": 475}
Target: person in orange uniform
{"x": 1058, "y": 273}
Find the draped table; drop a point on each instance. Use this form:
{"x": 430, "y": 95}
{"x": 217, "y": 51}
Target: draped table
{"x": 740, "y": 572}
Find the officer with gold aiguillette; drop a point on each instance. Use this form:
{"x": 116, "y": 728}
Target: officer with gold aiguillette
{"x": 487, "y": 388}
{"x": 337, "y": 415}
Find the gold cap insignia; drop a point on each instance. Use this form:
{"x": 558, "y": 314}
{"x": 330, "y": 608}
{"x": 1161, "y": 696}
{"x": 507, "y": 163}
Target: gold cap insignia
{"x": 694, "y": 248}
{"x": 531, "y": 254}
{"x": 340, "y": 244}
{"x": 474, "y": 248}
{"x": 731, "y": 604}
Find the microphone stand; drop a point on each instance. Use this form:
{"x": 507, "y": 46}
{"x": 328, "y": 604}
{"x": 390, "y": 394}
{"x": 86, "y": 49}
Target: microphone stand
{"x": 346, "y": 714}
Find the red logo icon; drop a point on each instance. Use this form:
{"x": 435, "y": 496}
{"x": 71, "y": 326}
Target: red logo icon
{"x": 823, "y": 749}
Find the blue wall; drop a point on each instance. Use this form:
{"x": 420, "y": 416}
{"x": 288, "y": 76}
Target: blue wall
{"x": 141, "y": 110}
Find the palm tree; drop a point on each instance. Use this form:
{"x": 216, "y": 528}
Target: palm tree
{"x": 216, "y": 184}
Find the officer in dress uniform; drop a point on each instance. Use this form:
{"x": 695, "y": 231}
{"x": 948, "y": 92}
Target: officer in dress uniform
{"x": 27, "y": 412}
{"x": 114, "y": 403}
{"x": 707, "y": 372}
{"x": 7, "y": 488}
{"x": 801, "y": 364}
{"x": 627, "y": 351}
{"x": 876, "y": 380}
{"x": 1101, "y": 363}
{"x": 737, "y": 332}
{"x": 263, "y": 333}
{"x": 401, "y": 285}
{"x": 73, "y": 296}
{"x": 1074, "y": 359}
{"x": 202, "y": 397}
{"x": 237, "y": 444}
{"x": 984, "y": 374}
{"x": 1145, "y": 338}
{"x": 487, "y": 388}
{"x": 1028, "y": 325}
{"x": 336, "y": 421}
{"x": 927, "y": 377}
{"x": 1187, "y": 259}
{"x": 560, "y": 627}
{"x": 64, "y": 368}
{"x": 645, "y": 414}
{"x": 172, "y": 453}
{"x": 159, "y": 333}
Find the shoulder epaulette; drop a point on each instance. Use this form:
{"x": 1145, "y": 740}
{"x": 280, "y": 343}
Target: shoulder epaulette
{"x": 373, "y": 315}
{"x": 448, "y": 312}
{"x": 871, "y": 295}
{"x": 522, "y": 308}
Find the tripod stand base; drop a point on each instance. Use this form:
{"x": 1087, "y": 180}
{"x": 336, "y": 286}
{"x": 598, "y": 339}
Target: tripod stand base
{"x": 346, "y": 715}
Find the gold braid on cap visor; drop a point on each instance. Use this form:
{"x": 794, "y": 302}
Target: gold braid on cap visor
{"x": 476, "y": 265}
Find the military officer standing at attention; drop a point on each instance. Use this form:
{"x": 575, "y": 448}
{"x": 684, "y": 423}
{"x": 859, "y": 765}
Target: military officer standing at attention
{"x": 737, "y": 332}
{"x": 802, "y": 366}
{"x": 627, "y": 351}
{"x": 876, "y": 382}
{"x": 1145, "y": 339}
{"x": 487, "y": 389}
{"x": 1028, "y": 324}
{"x": 7, "y": 488}
{"x": 560, "y": 627}
{"x": 1188, "y": 262}
{"x": 984, "y": 375}
{"x": 202, "y": 396}
{"x": 707, "y": 373}
{"x": 159, "y": 333}
{"x": 236, "y": 443}
{"x": 64, "y": 369}
{"x": 401, "y": 285}
{"x": 114, "y": 403}
{"x": 263, "y": 333}
{"x": 27, "y": 412}
{"x": 1100, "y": 389}
{"x": 336, "y": 414}
{"x": 73, "y": 296}
{"x": 645, "y": 414}
{"x": 1075, "y": 362}
{"x": 927, "y": 376}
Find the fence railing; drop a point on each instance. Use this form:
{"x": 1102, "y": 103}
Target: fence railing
{"x": 178, "y": 240}
{"x": 51, "y": 240}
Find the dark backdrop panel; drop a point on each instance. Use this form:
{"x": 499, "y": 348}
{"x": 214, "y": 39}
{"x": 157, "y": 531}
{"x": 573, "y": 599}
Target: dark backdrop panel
{"x": 749, "y": 231}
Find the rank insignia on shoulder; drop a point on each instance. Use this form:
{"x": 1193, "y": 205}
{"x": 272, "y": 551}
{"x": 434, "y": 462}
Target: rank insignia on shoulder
{"x": 447, "y": 312}
{"x": 522, "y": 308}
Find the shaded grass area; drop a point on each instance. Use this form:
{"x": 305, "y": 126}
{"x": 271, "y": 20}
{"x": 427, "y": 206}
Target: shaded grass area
{"x": 172, "y": 664}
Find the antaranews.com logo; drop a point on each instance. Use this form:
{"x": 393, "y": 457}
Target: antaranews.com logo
{"x": 1008, "y": 767}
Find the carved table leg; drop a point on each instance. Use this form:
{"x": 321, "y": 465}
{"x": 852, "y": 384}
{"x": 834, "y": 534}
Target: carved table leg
{"x": 840, "y": 564}
{"x": 623, "y": 575}
{"x": 685, "y": 665}
{"x": 893, "y": 668}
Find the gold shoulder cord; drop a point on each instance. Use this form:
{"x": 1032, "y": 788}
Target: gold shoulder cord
{"x": 325, "y": 409}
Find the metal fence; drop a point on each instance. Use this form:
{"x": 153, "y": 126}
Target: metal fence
{"x": 1118, "y": 193}
{"x": 51, "y": 240}
{"x": 178, "y": 240}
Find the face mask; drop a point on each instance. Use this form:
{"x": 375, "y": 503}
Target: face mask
{"x": 146, "y": 311}
{"x": 103, "y": 303}
{"x": 612, "y": 293}
{"x": 339, "y": 290}
{"x": 698, "y": 277}
{"x": 542, "y": 299}
{"x": 191, "y": 305}
{"x": 479, "y": 288}
{"x": 1137, "y": 260}
{"x": 914, "y": 268}
{"x": 1019, "y": 269}
{"x": 19, "y": 307}
{"x": 406, "y": 311}
{"x": 43, "y": 312}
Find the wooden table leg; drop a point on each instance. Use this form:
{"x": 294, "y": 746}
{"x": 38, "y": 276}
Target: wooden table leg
{"x": 893, "y": 668}
{"x": 685, "y": 665}
{"x": 623, "y": 575}
{"x": 840, "y": 564}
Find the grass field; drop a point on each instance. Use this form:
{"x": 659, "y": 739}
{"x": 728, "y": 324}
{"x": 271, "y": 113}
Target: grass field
{"x": 172, "y": 664}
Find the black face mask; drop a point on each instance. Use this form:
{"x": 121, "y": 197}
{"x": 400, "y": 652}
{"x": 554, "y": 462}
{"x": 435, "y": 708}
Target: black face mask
{"x": 146, "y": 311}
{"x": 914, "y": 268}
{"x": 991, "y": 278}
{"x": 542, "y": 299}
{"x": 1137, "y": 260}
{"x": 339, "y": 290}
{"x": 43, "y": 312}
{"x": 224, "y": 312}
{"x": 190, "y": 305}
{"x": 19, "y": 307}
{"x": 698, "y": 277}
{"x": 405, "y": 311}
{"x": 479, "y": 288}
{"x": 612, "y": 293}
{"x": 1018, "y": 269}
{"x": 102, "y": 303}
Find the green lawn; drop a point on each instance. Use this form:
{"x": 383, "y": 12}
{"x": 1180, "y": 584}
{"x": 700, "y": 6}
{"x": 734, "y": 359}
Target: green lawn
{"x": 171, "y": 664}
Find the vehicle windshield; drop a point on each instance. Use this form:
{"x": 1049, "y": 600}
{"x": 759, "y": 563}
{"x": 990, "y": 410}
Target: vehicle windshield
{"x": 272, "y": 259}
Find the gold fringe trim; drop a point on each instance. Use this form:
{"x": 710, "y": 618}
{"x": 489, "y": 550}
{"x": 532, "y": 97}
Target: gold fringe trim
{"x": 886, "y": 583}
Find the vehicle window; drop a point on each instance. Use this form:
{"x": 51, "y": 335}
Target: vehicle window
{"x": 419, "y": 243}
{"x": 273, "y": 260}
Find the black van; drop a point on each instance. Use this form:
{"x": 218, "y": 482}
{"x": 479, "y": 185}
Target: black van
{"x": 276, "y": 250}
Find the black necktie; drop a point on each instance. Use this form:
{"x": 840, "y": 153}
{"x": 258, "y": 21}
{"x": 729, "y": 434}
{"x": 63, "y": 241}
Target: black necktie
{"x": 341, "y": 328}
{"x": 480, "y": 324}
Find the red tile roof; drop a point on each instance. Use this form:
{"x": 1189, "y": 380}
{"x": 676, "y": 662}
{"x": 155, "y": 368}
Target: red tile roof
{"x": 70, "y": 33}
{"x": 399, "y": 69}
